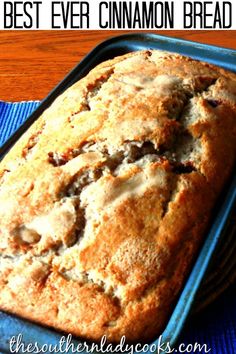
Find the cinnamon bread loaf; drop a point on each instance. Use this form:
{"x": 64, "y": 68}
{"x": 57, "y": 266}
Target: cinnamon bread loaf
{"x": 105, "y": 200}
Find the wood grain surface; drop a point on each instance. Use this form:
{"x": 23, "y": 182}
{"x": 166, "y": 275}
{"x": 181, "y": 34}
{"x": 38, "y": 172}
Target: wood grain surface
{"x": 33, "y": 62}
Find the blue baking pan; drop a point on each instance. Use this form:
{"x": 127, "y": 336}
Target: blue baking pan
{"x": 12, "y": 327}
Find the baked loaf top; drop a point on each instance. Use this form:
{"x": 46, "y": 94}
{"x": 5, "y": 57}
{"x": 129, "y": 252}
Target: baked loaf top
{"x": 105, "y": 199}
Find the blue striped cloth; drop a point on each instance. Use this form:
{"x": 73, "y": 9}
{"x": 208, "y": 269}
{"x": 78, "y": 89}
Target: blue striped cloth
{"x": 215, "y": 326}
{"x": 12, "y": 115}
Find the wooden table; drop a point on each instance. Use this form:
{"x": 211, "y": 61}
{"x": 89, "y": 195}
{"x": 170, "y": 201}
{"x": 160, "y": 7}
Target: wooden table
{"x": 33, "y": 62}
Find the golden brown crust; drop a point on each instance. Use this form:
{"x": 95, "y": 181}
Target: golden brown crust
{"x": 104, "y": 201}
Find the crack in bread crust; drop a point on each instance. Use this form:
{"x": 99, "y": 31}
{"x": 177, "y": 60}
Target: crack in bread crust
{"x": 111, "y": 202}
